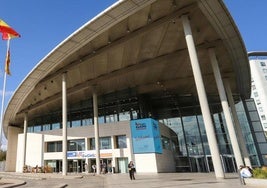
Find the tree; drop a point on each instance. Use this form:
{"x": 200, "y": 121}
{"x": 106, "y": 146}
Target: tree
{"x": 2, "y": 155}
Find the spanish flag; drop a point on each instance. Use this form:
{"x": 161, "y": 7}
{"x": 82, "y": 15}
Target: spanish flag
{"x": 7, "y": 31}
{"x": 7, "y": 34}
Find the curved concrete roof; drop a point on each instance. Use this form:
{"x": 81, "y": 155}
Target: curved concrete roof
{"x": 136, "y": 44}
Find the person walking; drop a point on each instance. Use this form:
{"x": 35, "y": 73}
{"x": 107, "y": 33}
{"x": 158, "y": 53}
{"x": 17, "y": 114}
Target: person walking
{"x": 94, "y": 168}
{"x": 131, "y": 168}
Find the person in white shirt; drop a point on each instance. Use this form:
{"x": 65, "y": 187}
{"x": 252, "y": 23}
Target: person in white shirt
{"x": 245, "y": 172}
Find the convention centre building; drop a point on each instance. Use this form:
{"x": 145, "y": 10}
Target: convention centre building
{"x": 163, "y": 83}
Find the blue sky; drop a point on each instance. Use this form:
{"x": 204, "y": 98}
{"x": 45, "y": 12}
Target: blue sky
{"x": 43, "y": 24}
{"x": 251, "y": 19}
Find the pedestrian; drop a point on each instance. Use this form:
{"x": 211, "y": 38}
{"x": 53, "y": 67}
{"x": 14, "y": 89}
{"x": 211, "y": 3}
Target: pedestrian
{"x": 94, "y": 168}
{"x": 131, "y": 169}
{"x": 109, "y": 168}
{"x": 104, "y": 168}
{"x": 245, "y": 172}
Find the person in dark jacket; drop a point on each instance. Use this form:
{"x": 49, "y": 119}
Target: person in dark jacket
{"x": 131, "y": 168}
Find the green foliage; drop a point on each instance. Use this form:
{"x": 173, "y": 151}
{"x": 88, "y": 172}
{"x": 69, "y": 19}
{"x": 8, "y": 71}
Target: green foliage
{"x": 2, "y": 155}
{"x": 260, "y": 173}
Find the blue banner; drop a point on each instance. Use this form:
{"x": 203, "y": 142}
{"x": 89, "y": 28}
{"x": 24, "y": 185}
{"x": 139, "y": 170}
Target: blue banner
{"x": 146, "y": 136}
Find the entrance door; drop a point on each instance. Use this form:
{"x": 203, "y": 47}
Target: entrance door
{"x": 209, "y": 163}
{"x": 92, "y": 162}
{"x": 229, "y": 163}
{"x": 122, "y": 165}
{"x": 75, "y": 166}
{"x": 58, "y": 166}
{"x": 198, "y": 164}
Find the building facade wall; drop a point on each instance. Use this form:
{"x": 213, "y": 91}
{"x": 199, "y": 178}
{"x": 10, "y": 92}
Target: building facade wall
{"x": 34, "y": 151}
{"x": 37, "y": 155}
{"x": 259, "y": 88}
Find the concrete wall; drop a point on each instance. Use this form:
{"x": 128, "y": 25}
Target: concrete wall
{"x": 146, "y": 163}
{"x": 34, "y": 151}
{"x": 11, "y": 157}
{"x": 166, "y": 161}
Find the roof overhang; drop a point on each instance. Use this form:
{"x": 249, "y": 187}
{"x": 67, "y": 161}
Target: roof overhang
{"x": 136, "y": 44}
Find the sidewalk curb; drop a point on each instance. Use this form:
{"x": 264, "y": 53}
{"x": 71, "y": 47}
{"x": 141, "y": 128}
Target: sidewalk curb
{"x": 9, "y": 183}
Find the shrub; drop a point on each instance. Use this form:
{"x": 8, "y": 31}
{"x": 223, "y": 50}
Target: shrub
{"x": 2, "y": 155}
{"x": 260, "y": 173}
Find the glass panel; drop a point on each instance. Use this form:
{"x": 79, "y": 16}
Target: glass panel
{"x": 76, "y": 123}
{"x": 46, "y": 127}
{"x": 121, "y": 141}
{"x": 254, "y": 116}
{"x": 225, "y": 149}
{"x": 76, "y": 145}
{"x": 86, "y": 122}
{"x": 54, "y": 146}
{"x": 251, "y": 149}
{"x": 55, "y": 126}
{"x": 111, "y": 118}
{"x": 124, "y": 116}
{"x": 101, "y": 119}
{"x": 105, "y": 143}
{"x": 251, "y": 106}
{"x": 165, "y": 143}
{"x": 59, "y": 147}
{"x": 263, "y": 148}
{"x": 92, "y": 143}
{"x": 260, "y": 137}
{"x": 51, "y": 147}
{"x": 37, "y": 128}
{"x": 254, "y": 160}
{"x": 192, "y": 136}
{"x": 257, "y": 126}
{"x": 71, "y": 146}
{"x": 30, "y": 129}
{"x": 201, "y": 125}
{"x": 134, "y": 114}
{"x": 207, "y": 149}
{"x": 264, "y": 157}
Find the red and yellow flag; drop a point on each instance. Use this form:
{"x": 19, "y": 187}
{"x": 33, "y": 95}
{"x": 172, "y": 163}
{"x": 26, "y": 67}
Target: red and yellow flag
{"x": 7, "y": 34}
{"x": 7, "y": 31}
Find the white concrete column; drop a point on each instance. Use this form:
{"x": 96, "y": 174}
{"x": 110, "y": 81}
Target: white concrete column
{"x": 225, "y": 107}
{"x": 203, "y": 99}
{"x": 97, "y": 149}
{"x": 24, "y": 139}
{"x": 238, "y": 129}
{"x": 64, "y": 125}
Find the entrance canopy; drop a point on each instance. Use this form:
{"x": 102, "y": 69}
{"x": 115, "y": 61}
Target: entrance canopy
{"x": 138, "y": 47}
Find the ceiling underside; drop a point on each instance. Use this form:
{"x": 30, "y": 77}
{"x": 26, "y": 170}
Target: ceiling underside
{"x": 144, "y": 51}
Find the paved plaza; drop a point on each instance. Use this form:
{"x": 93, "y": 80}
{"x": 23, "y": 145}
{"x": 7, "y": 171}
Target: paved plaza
{"x": 161, "y": 180}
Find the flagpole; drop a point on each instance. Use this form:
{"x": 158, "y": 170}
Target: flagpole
{"x": 3, "y": 97}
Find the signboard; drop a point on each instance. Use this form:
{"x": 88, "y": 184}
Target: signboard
{"x": 88, "y": 154}
{"x": 146, "y": 136}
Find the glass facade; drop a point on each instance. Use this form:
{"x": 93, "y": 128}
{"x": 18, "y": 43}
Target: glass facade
{"x": 194, "y": 153}
{"x": 104, "y": 143}
{"x": 76, "y": 145}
